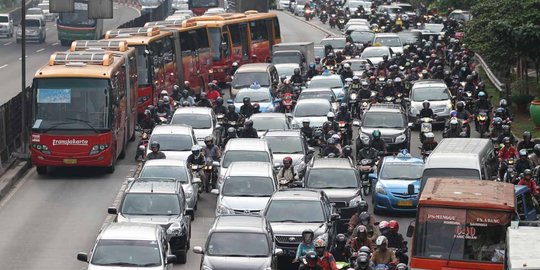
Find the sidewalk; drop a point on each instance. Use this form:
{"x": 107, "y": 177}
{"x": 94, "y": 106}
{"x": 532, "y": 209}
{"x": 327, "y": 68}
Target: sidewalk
{"x": 12, "y": 176}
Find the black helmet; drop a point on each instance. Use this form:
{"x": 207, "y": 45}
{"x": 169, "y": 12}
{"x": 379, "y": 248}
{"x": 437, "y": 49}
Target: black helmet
{"x": 363, "y": 260}
{"x": 527, "y": 172}
{"x": 460, "y": 106}
{"x": 536, "y": 149}
{"x": 231, "y": 107}
{"x": 506, "y": 140}
{"x": 343, "y": 107}
{"x": 209, "y": 139}
{"x": 347, "y": 150}
{"x": 246, "y": 99}
{"x": 341, "y": 240}
{"x": 506, "y": 128}
{"x": 365, "y": 218}
{"x": 248, "y": 123}
{"x": 296, "y": 71}
{"x": 526, "y": 135}
{"x": 185, "y": 93}
{"x": 154, "y": 144}
{"x": 311, "y": 257}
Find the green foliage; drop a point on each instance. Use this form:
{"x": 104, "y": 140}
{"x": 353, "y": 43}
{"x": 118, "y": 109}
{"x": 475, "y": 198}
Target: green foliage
{"x": 444, "y": 5}
{"x": 504, "y": 31}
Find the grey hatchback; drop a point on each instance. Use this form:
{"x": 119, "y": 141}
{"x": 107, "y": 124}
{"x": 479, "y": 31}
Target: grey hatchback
{"x": 239, "y": 242}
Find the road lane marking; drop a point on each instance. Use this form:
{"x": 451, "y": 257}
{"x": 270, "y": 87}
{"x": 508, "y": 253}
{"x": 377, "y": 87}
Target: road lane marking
{"x": 20, "y": 58}
{"x": 40, "y": 50}
{"x": 56, "y": 43}
{"x": 5, "y": 44}
{"x": 3, "y": 66}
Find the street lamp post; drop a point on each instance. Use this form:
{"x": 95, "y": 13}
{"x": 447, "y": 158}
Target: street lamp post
{"x": 24, "y": 132}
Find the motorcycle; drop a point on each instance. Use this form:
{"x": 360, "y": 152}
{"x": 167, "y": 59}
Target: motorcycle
{"x": 511, "y": 174}
{"x": 210, "y": 175}
{"x": 465, "y": 128}
{"x": 195, "y": 168}
{"x": 353, "y": 103}
{"x": 426, "y": 126}
{"x": 333, "y": 21}
{"x": 287, "y": 103}
{"x": 389, "y": 100}
{"x": 220, "y": 118}
{"x": 341, "y": 23}
{"x": 365, "y": 104}
{"x": 308, "y": 14}
{"x": 324, "y": 17}
{"x": 343, "y": 133}
{"x": 425, "y": 154}
{"x": 366, "y": 166}
{"x": 143, "y": 144}
{"x": 482, "y": 120}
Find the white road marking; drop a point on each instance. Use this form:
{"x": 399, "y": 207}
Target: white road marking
{"x": 56, "y": 43}
{"x": 40, "y": 50}
{"x": 5, "y": 44}
{"x": 3, "y": 66}
{"x": 20, "y": 58}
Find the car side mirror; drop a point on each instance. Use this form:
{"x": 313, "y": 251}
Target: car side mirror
{"x": 214, "y": 191}
{"x": 83, "y": 257}
{"x": 356, "y": 123}
{"x": 410, "y": 189}
{"x": 198, "y": 250}
{"x": 410, "y": 231}
{"x": 410, "y": 125}
{"x": 311, "y": 150}
{"x": 278, "y": 251}
{"x": 335, "y": 217}
{"x": 112, "y": 210}
{"x": 197, "y": 181}
{"x": 170, "y": 259}
{"x": 215, "y": 163}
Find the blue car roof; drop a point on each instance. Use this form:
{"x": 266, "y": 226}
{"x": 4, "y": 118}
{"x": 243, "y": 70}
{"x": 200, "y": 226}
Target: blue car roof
{"x": 395, "y": 159}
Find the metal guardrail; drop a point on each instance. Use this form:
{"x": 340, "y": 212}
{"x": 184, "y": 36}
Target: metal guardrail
{"x": 491, "y": 76}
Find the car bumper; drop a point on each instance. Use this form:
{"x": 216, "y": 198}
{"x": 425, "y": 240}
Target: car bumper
{"x": 5, "y": 31}
{"x": 389, "y": 203}
{"x": 396, "y": 147}
{"x": 102, "y": 159}
{"x": 30, "y": 37}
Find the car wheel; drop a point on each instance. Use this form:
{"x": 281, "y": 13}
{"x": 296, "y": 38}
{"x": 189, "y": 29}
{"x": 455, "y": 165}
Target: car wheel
{"x": 182, "y": 257}
{"x": 41, "y": 170}
{"x": 192, "y": 215}
{"x": 110, "y": 169}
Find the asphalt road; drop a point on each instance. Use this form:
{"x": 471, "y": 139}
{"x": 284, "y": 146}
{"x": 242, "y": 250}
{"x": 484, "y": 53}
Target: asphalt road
{"x": 38, "y": 55}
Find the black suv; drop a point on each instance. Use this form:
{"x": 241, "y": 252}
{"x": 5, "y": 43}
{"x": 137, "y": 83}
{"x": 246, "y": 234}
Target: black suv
{"x": 160, "y": 202}
{"x": 294, "y": 210}
{"x": 391, "y": 120}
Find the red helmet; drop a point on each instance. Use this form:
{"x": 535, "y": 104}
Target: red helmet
{"x": 215, "y": 82}
{"x": 393, "y": 225}
{"x": 372, "y": 78}
{"x": 287, "y": 160}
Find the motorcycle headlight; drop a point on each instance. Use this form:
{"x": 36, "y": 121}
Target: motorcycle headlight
{"x": 401, "y": 138}
{"x": 175, "y": 228}
{"x": 379, "y": 188}
{"x": 223, "y": 210}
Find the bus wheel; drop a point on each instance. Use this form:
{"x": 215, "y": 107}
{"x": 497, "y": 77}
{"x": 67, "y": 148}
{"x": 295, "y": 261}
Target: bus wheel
{"x": 111, "y": 168}
{"x": 41, "y": 170}
{"x": 123, "y": 153}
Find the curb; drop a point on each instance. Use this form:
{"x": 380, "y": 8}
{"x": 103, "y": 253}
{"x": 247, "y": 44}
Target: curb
{"x": 310, "y": 24}
{"x": 12, "y": 176}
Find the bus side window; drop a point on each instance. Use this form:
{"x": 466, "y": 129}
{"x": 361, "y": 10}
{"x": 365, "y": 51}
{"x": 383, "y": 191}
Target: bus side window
{"x": 277, "y": 30}
{"x": 202, "y": 39}
{"x": 225, "y": 45}
{"x": 186, "y": 45}
{"x": 168, "y": 52}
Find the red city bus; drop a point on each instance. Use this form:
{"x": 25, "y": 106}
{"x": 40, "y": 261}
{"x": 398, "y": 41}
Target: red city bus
{"x": 81, "y": 109}
{"x": 460, "y": 223}
{"x": 239, "y": 37}
{"x": 199, "y": 7}
{"x": 156, "y": 61}
{"x": 194, "y": 52}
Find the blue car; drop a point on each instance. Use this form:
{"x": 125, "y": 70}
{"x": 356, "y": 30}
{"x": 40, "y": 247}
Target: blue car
{"x": 331, "y": 81}
{"x": 261, "y": 96}
{"x": 524, "y": 203}
{"x": 391, "y": 184}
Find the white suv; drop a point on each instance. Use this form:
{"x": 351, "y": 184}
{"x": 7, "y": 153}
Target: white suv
{"x": 6, "y": 25}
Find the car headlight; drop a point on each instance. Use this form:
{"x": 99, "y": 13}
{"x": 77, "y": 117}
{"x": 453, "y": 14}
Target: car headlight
{"x": 414, "y": 111}
{"x": 379, "y": 188}
{"x": 189, "y": 192}
{"x": 223, "y": 210}
{"x": 401, "y": 138}
{"x": 175, "y": 228}
{"x": 449, "y": 105}
{"x": 364, "y": 137}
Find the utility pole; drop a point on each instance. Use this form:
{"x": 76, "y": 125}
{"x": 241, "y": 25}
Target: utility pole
{"x": 24, "y": 125}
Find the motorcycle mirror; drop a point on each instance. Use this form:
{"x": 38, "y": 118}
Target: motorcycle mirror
{"x": 410, "y": 189}
{"x": 214, "y": 191}
{"x": 356, "y": 123}
{"x": 410, "y": 125}
{"x": 410, "y": 231}
{"x": 215, "y": 163}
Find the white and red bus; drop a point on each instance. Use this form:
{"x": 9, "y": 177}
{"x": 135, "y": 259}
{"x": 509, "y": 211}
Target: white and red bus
{"x": 83, "y": 109}
{"x": 199, "y": 7}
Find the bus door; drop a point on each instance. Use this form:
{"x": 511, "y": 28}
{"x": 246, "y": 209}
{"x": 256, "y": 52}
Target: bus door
{"x": 188, "y": 58}
{"x": 202, "y": 57}
{"x": 226, "y": 47}
{"x": 246, "y": 48}
{"x": 269, "y": 29}
{"x": 158, "y": 67}
{"x": 175, "y": 40}
{"x": 237, "y": 44}
{"x": 169, "y": 64}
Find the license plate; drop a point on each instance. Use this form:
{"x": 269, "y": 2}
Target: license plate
{"x": 404, "y": 203}
{"x": 70, "y": 161}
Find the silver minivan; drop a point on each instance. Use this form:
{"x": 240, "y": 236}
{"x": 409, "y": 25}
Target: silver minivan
{"x": 35, "y": 30}
{"x": 436, "y": 93}
{"x": 244, "y": 149}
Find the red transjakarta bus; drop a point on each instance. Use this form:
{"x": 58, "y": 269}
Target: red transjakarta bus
{"x": 156, "y": 61}
{"x": 193, "y": 52}
{"x": 83, "y": 109}
{"x": 199, "y": 7}
{"x": 239, "y": 37}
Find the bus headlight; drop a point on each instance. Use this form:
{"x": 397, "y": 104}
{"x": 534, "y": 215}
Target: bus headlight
{"x": 42, "y": 148}
{"x": 96, "y": 149}
{"x": 143, "y": 99}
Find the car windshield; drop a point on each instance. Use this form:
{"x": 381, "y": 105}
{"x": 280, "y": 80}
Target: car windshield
{"x": 431, "y": 94}
{"x": 134, "y": 253}
{"x": 151, "y": 204}
{"x": 461, "y": 234}
{"x": 451, "y": 172}
{"x": 77, "y": 18}
{"x": 357, "y": 65}
{"x": 319, "y": 52}
{"x": 34, "y": 11}
{"x": 315, "y": 94}
{"x": 196, "y": 121}
{"x": 326, "y": 82}
{"x": 362, "y": 36}
{"x": 434, "y": 27}
{"x": 328, "y": 178}
{"x": 247, "y": 186}
{"x": 285, "y": 144}
{"x": 254, "y": 95}
{"x": 245, "y": 79}
{"x": 285, "y": 70}
{"x": 238, "y": 244}
{"x": 393, "y": 10}
{"x": 205, "y": 3}
{"x": 335, "y": 43}
{"x": 383, "y": 120}
{"x": 353, "y": 5}
{"x": 408, "y": 37}
{"x": 407, "y": 8}
{"x": 173, "y": 142}
{"x": 238, "y": 155}
{"x": 4, "y": 19}
{"x": 311, "y": 110}
{"x": 285, "y": 58}
{"x": 299, "y": 211}
{"x": 32, "y": 23}
{"x": 268, "y": 123}
{"x": 402, "y": 171}
{"x": 374, "y": 52}
{"x": 165, "y": 172}
{"x": 388, "y": 41}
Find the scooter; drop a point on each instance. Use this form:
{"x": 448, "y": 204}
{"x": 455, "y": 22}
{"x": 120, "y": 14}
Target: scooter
{"x": 287, "y": 103}
{"x": 483, "y": 125}
{"x": 353, "y": 102}
{"x": 324, "y": 17}
{"x": 308, "y": 14}
{"x": 343, "y": 133}
{"x": 143, "y": 144}
{"x": 210, "y": 174}
{"x": 333, "y": 21}
{"x": 341, "y": 23}
{"x": 366, "y": 166}
{"x": 426, "y": 126}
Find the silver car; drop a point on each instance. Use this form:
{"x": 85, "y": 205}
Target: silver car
{"x": 246, "y": 188}
{"x": 332, "y": 81}
{"x": 264, "y": 122}
{"x": 202, "y": 120}
{"x": 173, "y": 169}
{"x": 6, "y": 25}
{"x": 313, "y": 109}
{"x": 289, "y": 143}
{"x": 35, "y": 30}
{"x": 130, "y": 246}
{"x": 244, "y": 149}
{"x": 175, "y": 141}
{"x": 436, "y": 93}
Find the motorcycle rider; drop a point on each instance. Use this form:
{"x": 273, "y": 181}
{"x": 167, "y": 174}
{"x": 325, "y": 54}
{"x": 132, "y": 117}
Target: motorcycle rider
{"x": 197, "y": 158}
{"x": 347, "y": 153}
{"x": 286, "y": 87}
{"x": 523, "y": 162}
{"x": 307, "y": 130}
{"x": 331, "y": 148}
{"x": 363, "y": 262}
{"x": 462, "y": 113}
{"x": 503, "y": 104}
{"x": 147, "y": 122}
{"x": 311, "y": 262}
{"x": 219, "y": 108}
{"x": 367, "y": 151}
{"x": 213, "y": 92}
{"x": 163, "y": 110}
{"x": 482, "y": 104}
{"x": 312, "y": 71}
{"x": 346, "y": 72}
{"x": 360, "y": 238}
{"x": 203, "y": 101}
{"x": 527, "y": 180}
{"x": 395, "y": 239}
{"x": 506, "y": 152}
{"x": 248, "y": 131}
{"x": 329, "y": 60}
{"x": 429, "y": 143}
{"x": 377, "y": 142}
{"x": 297, "y": 78}
{"x": 331, "y": 118}
{"x": 506, "y": 132}
{"x": 383, "y": 255}
{"x": 527, "y": 143}
{"x": 344, "y": 115}
{"x": 286, "y": 174}
{"x": 247, "y": 109}
{"x": 210, "y": 150}
{"x": 234, "y": 67}
{"x": 349, "y": 49}
{"x": 341, "y": 251}
{"x": 306, "y": 245}
{"x": 326, "y": 259}
{"x": 355, "y": 85}
{"x": 185, "y": 97}
{"x": 469, "y": 85}
{"x": 232, "y": 115}
{"x": 535, "y": 156}
{"x": 231, "y": 134}
{"x": 155, "y": 154}
{"x": 454, "y": 131}
{"x": 426, "y": 110}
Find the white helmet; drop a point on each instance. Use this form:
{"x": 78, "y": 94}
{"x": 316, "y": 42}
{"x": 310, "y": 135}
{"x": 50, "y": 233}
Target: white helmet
{"x": 330, "y": 115}
{"x": 164, "y": 93}
{"x": 346, "y": 65}
{"x": 381, "y": 240}
{"x": 166, "y": 99}
{"x": 430, "y": 135}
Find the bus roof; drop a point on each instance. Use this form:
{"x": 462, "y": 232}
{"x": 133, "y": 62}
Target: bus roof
{"x": 137, "y": 36}
{"x": 81, "y": 64}
{"x": 226, "y": 18}
{"x": 468, "y": 193}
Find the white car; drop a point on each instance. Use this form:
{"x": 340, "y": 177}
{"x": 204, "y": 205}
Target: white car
{"x": 375, "y": 54}
{"x": 214, "y": 11}
{"x": 389, "y": 40}
{"x": 48, "y": 15}
{"x": 6, "y": 25}
{"x": 283, "y": 4}
{"x": 202, "y": 120}
{"x": 314, "y": 109}
{"x": 36, "y": 12}
{"x": 175, "y": 140}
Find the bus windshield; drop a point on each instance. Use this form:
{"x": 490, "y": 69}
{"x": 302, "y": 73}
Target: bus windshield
{"x": 204, "y": 3}
{"x": 71, "y": 103}
{"x": 77, "y": 18}
{"x": 461, "y": 234}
